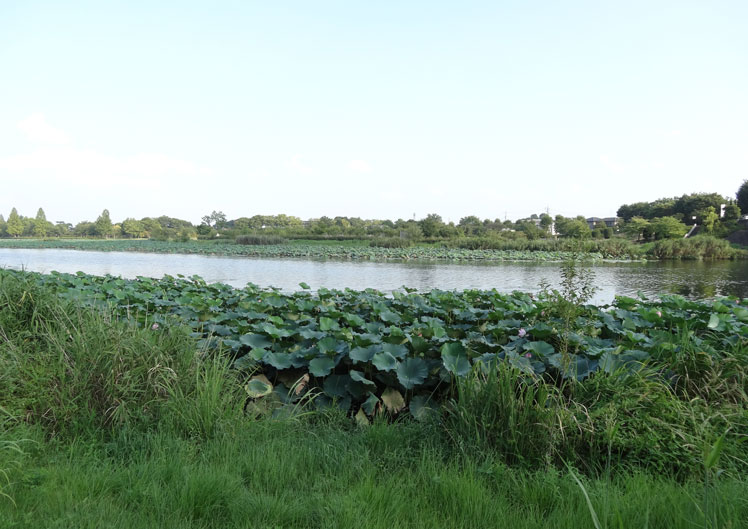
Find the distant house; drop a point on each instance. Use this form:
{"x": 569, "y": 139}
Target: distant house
{"x": 610, "y": 222}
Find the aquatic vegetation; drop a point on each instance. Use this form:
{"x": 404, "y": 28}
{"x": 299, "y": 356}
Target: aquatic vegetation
{"x": 357, "y": 345}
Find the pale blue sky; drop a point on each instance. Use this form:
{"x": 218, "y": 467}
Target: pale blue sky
{"x": 372, "y": 109}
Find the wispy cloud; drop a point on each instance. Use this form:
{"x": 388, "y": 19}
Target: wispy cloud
{"x": 58, "y": 161}
{"x": 88, "y": 167}
{"x": 37, "y": 130}
{"x": 297, "y": 165}
{"x": 360, "y": 166}
{"x": 610, "y": 164}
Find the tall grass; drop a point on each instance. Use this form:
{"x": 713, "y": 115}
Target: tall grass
{"x": 608, "y": 248}
{"x": 120, "y": 426}
{"x": 74, "y": 370}
{"x": 391, "y": 242}
{"x": 260, "y": 240}
{"x": 698, "y": 247}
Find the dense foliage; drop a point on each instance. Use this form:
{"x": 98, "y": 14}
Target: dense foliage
{"x": 477, "y": 249}
{"x": 365, "y": 352}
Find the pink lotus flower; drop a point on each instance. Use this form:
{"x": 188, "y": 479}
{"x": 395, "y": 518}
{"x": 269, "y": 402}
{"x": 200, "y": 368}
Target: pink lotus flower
{"x": 154, "y": 327}
{"x": 659, "y": 314}
{"x": 522, "y": 333}
{"x": 528, "y": 355}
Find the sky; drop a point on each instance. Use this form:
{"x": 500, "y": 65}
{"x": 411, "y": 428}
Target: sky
{"x": 384, "y": 109}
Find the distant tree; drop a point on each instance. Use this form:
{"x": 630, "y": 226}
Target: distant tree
{"x": 15, "y": 225}
{"x": 217, "y": 219}
{"x": 529, "y": 229}
{"x": 732, "y": 212}
{"x": 471, "y": 225}
{"x": 577, "y": 229}
{"x": 3, "y": 227}
{"x": 668, "y": 228}
{"x": 411, "y": 231}
{"x": 103, "y": 224}
{"x": 637, "y": 228}
{"x": 708, "y": 216}
{"x": 742, "y": 196}
{"x": 133, "y": 228}
{"x": 546, "y": 222}
{"x": 431, "y": 225}
{"x": 41, "y": 225}
{"x": 62, "y": 228}
{"x": 84, "y": 229}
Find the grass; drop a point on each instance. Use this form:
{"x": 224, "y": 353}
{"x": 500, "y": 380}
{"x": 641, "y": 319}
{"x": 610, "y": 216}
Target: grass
{"x": 106, "y": 424}
{"x": 271, "y": 474}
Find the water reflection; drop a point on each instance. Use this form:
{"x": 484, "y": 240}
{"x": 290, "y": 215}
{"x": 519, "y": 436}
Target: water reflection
{"x": 691, "y": 279}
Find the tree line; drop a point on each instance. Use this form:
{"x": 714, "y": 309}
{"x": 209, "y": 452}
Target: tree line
{"x": 660, "y": 219}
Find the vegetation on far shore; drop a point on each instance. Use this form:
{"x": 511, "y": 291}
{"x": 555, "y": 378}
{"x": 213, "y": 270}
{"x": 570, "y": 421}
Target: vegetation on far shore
{"x": 114, "y": 415}
{"x": 477, "y": 249}
{"x": 667, "y": 218}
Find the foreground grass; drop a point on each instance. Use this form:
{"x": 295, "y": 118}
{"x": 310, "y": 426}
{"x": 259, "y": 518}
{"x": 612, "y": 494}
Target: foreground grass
{"x": 302, "y": 473}
{"x": 104, "y": 424}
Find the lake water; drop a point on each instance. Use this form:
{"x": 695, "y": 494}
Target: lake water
{"x": 689, "y": 278}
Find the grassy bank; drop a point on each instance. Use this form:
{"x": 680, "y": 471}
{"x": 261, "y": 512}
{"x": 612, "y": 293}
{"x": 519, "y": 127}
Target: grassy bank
{"x": 471, "y": 249}
{"x": 110, "y": 423}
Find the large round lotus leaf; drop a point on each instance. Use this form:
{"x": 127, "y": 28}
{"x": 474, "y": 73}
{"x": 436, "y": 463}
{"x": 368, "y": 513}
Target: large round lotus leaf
{"x": 327, "y": 344}
{"x": 396, "y": 350}
{"x": 362, "y": 354}
{"x": 541, "y": 349}
{"x": 278, "y": 360}
{"x": 455, "y": 359}
{"x": 384, "y": 361}
{"x": 336, "y": 385}
{"x": 421, "y": 407}
{"x": 321, "y": 367}
{"x": 412, "y": 372}
{"x": 328, "y": 324}
{"x": 393, "y": 401}
{"x": 370, "y": 404}
{"x": 255, "y": 341}
{"x": 359, "y": 377}
{"x": 258, "y": 386}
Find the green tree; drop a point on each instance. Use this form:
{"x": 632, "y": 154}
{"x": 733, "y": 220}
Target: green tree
{"x": 742, "y": 196}
{"x": 732, "y": 212}
{"x": 133, "y": 228}
{"x": 15, "y": 224}
{"x": 546, "y": 222}
{"x": 3, "y": 227}
{"x": 471, "y": 225}
{"x": 41, "y": 225}
{"x": 708, "y": 217}
{"x": 637, "y": 227}
{"x": 217, "y": 219}
{"x": 431, "y": 225}
{"x": 103, "y": 224}
{"x": 668, "y": 228}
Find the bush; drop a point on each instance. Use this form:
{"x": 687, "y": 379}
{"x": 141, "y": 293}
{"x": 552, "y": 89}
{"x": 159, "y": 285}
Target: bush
{"x": 75, "y": 370}
{"x": 698, "y": 247}
{"x": 260, "y": 240}
{"x": 613, "y": 248}
{"x": 391, "y": 242}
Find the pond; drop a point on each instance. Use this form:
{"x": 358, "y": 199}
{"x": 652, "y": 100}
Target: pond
{"x": 693, "y": 279}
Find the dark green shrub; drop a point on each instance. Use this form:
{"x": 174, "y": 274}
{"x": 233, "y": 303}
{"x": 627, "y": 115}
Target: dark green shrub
{"x": 260, "y": 240}
{"x": 391, "y": 242}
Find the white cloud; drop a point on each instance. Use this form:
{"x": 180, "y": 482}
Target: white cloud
{"x": 360, "y": 166}
{"x": 297, "y": 165}
{"x": 610, "y": 164}
{"x": 37, "y": 130}
{"x": 83, "y": 166}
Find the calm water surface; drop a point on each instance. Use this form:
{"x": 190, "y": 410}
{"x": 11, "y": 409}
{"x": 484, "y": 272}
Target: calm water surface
{"x": 690, "y": 278}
